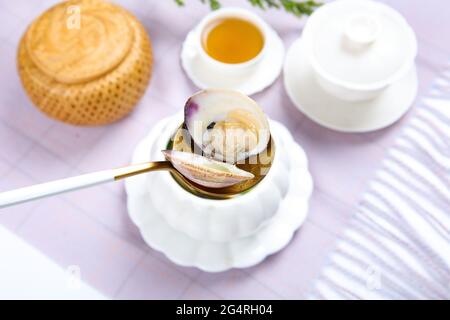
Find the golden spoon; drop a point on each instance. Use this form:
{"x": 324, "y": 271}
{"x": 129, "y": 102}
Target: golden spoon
{"x": 196, "y": 173}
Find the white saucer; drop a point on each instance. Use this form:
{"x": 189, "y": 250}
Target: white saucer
{"x": 265, "y": 73}
{"x": 220, "y": 256}
{"x": 333, "y": 113}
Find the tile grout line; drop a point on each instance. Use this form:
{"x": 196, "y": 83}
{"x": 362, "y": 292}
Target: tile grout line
{"x": 130, "y": 273}
{"x": 185, "y": 289}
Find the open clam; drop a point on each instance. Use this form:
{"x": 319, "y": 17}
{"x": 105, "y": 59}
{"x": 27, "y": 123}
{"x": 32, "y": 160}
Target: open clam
{"x": 214, "y": 108}
{"x": 227, "y": 125}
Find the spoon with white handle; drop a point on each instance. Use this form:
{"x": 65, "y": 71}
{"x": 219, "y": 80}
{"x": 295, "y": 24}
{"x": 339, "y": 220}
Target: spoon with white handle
{"x": 191, "y": 167}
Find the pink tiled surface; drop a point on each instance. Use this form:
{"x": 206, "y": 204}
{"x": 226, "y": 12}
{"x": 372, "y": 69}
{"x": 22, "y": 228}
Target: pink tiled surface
{"x": 91, "y": 228}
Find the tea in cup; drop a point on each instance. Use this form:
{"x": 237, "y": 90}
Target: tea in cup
{"x": 231, "y": 39}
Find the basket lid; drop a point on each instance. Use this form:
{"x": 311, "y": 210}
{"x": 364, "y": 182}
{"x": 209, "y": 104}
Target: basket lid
{"x": 79, "y": 40}
{"x": 360, "y": 42}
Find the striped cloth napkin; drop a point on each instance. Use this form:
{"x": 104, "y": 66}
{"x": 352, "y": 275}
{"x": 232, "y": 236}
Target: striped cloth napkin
{"x": 397, "y": 245}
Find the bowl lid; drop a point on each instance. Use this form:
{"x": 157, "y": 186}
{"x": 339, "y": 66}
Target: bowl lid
{"x": 79, "y": 40}
{"x": 360, "y": 43}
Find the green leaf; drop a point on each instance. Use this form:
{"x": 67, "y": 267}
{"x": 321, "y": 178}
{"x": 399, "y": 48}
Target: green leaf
{"x": 297, "y": 8}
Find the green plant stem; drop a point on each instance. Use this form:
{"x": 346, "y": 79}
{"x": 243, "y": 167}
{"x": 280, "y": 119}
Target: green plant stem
{"x": 297, "y": 8}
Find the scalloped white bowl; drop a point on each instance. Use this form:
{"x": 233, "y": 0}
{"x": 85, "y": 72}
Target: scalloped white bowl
{"x": 208, "y": 233}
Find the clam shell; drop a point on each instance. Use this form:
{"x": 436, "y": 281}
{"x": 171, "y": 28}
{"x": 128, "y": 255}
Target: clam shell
{"x": 244, "y": 130}
{"x": 206, "y": 172}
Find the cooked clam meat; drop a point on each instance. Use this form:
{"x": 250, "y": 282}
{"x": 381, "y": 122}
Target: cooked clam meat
{"x": 227, "y": 125}
{"x": 228, "y": 139}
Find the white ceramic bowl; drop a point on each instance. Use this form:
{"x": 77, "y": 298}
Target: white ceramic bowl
{"x": 337, "y": 114}
{"x": 217, "y": 220}
{"x": 355, "y": 40}
{"x": 272, "y": 235}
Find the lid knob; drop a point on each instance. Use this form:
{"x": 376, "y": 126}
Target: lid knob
{"x": 362, "y": 29}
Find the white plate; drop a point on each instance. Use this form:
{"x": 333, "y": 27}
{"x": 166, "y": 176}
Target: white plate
{"x": 220, "y": 256}
{"x": 265, "y": 73}
{"x": 333, "y": 113}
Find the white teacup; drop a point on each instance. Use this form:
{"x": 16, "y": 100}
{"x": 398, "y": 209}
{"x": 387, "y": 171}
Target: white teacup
{"x": 237, "y": 69}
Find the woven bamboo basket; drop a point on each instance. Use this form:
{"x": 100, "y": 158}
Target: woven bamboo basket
{"x": 85, "y": 62}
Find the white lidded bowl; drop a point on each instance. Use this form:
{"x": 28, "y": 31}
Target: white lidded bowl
{"x": 217, "y": 220}
{"x": 357, "y": 48}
